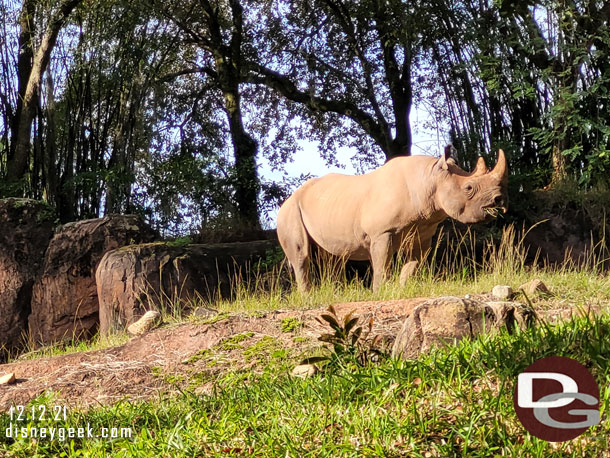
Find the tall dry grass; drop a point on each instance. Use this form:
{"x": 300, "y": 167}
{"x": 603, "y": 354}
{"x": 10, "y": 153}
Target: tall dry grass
{"x": 457, "y": 263}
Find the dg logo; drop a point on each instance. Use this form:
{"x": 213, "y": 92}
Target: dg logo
{"x": 556, "y": 399}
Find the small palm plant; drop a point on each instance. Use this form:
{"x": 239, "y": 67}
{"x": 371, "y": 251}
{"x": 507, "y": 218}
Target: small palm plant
{"x": 350, "y": 343}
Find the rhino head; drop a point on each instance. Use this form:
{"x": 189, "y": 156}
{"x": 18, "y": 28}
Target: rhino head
{"x": 471, "y": 197}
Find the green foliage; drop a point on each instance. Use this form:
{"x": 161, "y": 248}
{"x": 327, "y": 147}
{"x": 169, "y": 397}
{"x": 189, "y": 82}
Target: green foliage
{"x": 529, "y": 83}
{"x": 200, "y": 355}
{"x": 273, "y": 258}
{"x": 234, "y": 342}
{"x": 457, "y": 400}
{"x": 291, "y": 324}
{"x": 180, "y": 241}
{"x": 350, "y": 343}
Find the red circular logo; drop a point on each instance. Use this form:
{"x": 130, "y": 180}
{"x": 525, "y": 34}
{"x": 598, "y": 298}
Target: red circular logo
{"x": 556, "y": 399}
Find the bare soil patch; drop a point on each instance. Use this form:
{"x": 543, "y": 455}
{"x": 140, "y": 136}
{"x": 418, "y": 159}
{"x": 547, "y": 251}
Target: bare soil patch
{"x": 191, "y": 355}
{"x": 159, "y": 361}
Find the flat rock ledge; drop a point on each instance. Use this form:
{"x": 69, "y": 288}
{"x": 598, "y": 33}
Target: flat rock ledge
{"x": 446, "y": 320}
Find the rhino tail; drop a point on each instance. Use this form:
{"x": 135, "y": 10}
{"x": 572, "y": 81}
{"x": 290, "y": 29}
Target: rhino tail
{"x": 294, "y": 239}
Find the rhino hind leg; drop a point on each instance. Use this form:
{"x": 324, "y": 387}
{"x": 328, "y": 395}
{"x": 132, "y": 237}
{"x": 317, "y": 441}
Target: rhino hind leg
{"x": 295, "y": 242}
{"x": 301, "y": 272}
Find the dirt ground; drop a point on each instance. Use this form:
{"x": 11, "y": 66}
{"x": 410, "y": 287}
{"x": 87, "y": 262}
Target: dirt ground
{"x": 139, "y": 369}
{"x": 156, "y": 362}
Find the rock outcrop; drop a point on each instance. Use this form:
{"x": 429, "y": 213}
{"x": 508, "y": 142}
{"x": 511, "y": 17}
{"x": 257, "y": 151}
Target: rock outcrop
{"x": 147, "y": 322}
{"x": 26, "y": 226}
{"x": 447, "y": 319}
{"x": 170, "y": 278}
{"x": 64, "y": 299}
{"x": 535, "y": 288}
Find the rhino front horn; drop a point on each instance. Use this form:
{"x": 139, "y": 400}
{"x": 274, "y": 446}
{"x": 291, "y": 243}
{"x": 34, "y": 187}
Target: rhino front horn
{"x": 501, "y": 168}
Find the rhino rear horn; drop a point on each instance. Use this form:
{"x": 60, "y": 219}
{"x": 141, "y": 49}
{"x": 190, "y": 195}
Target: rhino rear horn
{"x": 480, "y": 168}
{"x": 500, "y": 170}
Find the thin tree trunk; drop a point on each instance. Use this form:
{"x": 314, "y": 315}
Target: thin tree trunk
{"x": 20, "y": 154}
{"x": 559, "y": 166}
{"x": 49, "y": 171}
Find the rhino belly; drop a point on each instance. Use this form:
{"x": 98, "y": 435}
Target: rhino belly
{"x": 338, "y": 241}
{"x": 341, "y": 249}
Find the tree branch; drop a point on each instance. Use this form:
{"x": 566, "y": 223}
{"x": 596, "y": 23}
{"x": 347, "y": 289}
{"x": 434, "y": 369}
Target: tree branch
{"x": 187, "y": 71}
{"x": 288, "y": 89}
{"x": 349, "y": 29}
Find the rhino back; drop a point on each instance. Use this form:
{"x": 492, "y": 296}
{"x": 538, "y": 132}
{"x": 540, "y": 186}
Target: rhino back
{"x": 401, "y": 195}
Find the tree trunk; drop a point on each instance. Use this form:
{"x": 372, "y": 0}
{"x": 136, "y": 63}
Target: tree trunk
{"x": 228, "y": 60}
{"x": 20, "y": 145}
{"x": 559, "y": 166}
{"x": 402, "y": 143}
{"x": 116, "y": 166}
{"x": 49, "y": 171}
{"x": 245, "y": 148}
{"x": 24, "y": 61}
{"x": 66, "y": 198}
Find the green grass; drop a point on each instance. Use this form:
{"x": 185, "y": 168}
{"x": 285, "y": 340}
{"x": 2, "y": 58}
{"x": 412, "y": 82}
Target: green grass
{"x": 569, "y": 285}
{"x": 455, "y": 401}
{"x": 98, "y": 342}
{"x": 453, "y": 270}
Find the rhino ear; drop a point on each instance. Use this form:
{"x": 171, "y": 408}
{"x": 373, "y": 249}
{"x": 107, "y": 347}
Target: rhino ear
{"x": 446, "y": 157}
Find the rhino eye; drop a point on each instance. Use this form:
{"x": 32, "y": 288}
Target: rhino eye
{"x": 469, "y": 190}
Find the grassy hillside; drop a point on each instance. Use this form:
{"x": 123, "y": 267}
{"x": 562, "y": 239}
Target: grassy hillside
{"x": 454, "y": 401}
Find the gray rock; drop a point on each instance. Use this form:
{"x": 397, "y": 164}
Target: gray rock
{"x": 147, "y": 322}
{"x": 512, "y": 314}
{"x": 446, "y": 320}
{"x": 502, "y": 292}
{"x": 305, "y": 370}
{"x": 204, "y": 312}
{"x": 535, "y": 288}
{"x": 8, "y": 379}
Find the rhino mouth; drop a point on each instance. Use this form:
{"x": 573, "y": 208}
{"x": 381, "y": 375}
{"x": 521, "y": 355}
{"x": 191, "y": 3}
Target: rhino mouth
{"x": 493, "y": 212}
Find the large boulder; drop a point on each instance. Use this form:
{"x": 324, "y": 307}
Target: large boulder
{"x": 26, "y": 226}
{"x": 170, "y": 278}
{"x": 445, "y": 320}
{"x": 64, "y": 300}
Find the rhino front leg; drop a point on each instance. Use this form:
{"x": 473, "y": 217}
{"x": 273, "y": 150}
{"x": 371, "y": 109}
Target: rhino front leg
{"x": 418, "y": 253}
{"x": 407, "y": 271}
{"x": 381, "y": 255}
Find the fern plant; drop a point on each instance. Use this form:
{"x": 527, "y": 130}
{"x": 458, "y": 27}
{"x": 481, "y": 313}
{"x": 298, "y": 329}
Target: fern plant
{"x": 350, "y": 343}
